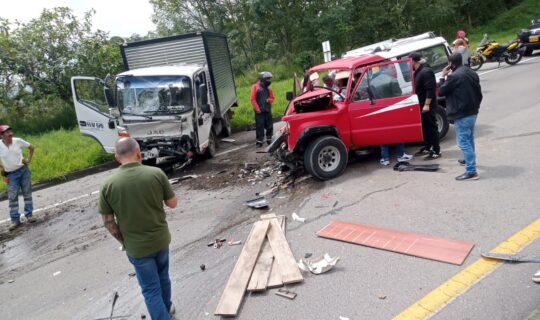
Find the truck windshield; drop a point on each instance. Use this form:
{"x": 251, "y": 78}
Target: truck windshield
{"x": 154, "y": 95}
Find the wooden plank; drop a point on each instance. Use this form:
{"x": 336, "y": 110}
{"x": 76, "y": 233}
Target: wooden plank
{"x": 265, "y": 264}
{"x": 274, "y": 281}
{"x": 234, "y": 291}
{"x": 424, "y": 246}
{"x": 283, "y": 256}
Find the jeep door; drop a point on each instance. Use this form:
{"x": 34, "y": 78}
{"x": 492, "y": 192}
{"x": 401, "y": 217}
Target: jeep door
{"x": 93, "y": 109}
{"x": 384, "y": 108}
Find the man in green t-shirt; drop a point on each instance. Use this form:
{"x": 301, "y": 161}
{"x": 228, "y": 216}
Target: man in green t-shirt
{"x": 131, "y": 205}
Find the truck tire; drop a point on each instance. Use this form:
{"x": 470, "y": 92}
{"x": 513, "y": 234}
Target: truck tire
{"x": 325, "y": 157}
{"x": 210, "y": 151}
{"x": 226, "y": 130}
{"x": 442, "y": 121}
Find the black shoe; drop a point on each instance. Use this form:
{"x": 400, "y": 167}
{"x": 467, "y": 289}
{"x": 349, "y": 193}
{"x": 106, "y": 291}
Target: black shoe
{"x": 461, "y": 162}
{"x": 423, "y": 151}
{"x": 468, "y": 176}
{"x": 258, "y": 145}
{"x": 432, "y": 155}
{"x": 268, "y": 142}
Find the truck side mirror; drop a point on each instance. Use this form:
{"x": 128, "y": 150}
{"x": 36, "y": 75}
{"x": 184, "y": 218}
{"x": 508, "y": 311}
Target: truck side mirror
{"x": 203, "y": 91}
{"x": 289, "y": 95}
{"x": 109, "y": 97}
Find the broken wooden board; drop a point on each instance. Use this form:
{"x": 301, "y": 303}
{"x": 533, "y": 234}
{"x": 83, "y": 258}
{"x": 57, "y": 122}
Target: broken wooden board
{"x": 265, "y": 264}
{"x": 434, "y": 248}
{"x": 274, "y": 281}
{"x": 234, "y": 291}
{"x": 283, "y": 256}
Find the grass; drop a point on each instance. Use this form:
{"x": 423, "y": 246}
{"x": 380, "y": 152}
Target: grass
{"x": 60, "y": 152}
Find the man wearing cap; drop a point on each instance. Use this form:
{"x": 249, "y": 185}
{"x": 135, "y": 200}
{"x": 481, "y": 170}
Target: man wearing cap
{"x": 15, "y": 169}
{"x": 262, "y": 98}
{"x": 425, "y": 88}
{"x": 463, "y": 97}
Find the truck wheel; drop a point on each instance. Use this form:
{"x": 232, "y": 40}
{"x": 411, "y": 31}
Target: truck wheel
{"x": 212, "y": 145}
{"x": 325, "y": 157}
{"x": 226, "y": 130}
{"x": 442, "y": 121}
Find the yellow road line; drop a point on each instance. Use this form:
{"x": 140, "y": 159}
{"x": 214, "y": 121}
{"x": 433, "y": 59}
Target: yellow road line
{"x": 453, "y": 287}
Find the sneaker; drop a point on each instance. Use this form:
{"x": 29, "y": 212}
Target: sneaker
{"x": 432, "y": 155}
{"x": 385, "y": 162}
{"x": 422, "y": 152}
{"x": 14, "y": 225}
{"x": 172, "y": 311}
{"x": 30, "y": 219}
{"x": 536, "y": 277}
{"x": 468, "y": 176}
{"x": 404, "y": 157}
{"x": 461, "y": 162}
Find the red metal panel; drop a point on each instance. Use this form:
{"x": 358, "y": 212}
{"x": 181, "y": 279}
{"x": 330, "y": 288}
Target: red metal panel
{"x": 434, "y": 248}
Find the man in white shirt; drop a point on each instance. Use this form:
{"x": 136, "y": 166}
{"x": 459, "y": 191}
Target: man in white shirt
{"x": 17, "y": 175}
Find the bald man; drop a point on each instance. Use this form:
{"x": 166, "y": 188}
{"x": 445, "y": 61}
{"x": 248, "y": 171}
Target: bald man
{"x": 131, "y": 205}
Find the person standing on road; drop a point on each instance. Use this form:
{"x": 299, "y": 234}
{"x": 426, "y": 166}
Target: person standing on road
{"x": 131, "y": 205}
{"x": 463, "y": 97}
{"x": 262, "y": 98}
{"x": 425, "y": 87}
{"x": 17, "y": 175}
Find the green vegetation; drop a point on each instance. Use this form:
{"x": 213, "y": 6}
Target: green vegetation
{"x": 60, "y": 152}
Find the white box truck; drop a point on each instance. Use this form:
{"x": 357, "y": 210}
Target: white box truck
{"x": 174, "y": 98}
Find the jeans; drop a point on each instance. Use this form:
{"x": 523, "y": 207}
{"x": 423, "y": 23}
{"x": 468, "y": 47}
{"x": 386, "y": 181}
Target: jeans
{"x": 385, "y": 150}
{"x": 263, "y": 122}
{"x": 153, "y": 276}
{"x": 19, "y": 179}
{"x": 465, "y": 140}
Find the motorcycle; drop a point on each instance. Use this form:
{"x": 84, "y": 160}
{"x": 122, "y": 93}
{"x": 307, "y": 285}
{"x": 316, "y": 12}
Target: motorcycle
{"x": 492, "y": 51}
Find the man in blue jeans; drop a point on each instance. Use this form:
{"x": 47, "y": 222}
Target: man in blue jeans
{"x": 17, "y": 175}
{"x": 131, "y": 204}
{"x": 463, "y": 97}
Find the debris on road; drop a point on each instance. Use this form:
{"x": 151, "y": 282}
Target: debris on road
{"x": 511, "y": 257}
{"x": 382, "y": 297}
{"x": 251, "y": 165}
{"x": 296, "y": 217}
{"x": 114, "y": 299}
{"x": 203, "y": 267}
{"x": 10, "y": 281}
{"x": 286, "y": 293}
{"x": 234, "y": 243}
{"x": 269, "y": 230}
{"x": 258, "y": 203}
{"x": 132, "y": 274}
{"x": 343, "y": 318}
{"x": 308, "y": 255}
{"x": 229, "y": 140}
{"x": 218, "y": 243}
{"x": 318, "y": 266}
{"x": 56, "y": 273}
{"x": 406, "y": 166}
{"x": 419, "y": 245}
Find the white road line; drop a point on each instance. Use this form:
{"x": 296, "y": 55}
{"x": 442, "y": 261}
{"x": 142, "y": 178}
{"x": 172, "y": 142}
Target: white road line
{"x": 232, "y": 150}
{"x": 504, "y": 67}
{"x": 58, "y": 204}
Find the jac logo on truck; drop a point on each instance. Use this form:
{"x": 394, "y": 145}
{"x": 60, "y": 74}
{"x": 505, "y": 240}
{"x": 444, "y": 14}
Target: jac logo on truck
{"x": 155, "y": 132}
{"x": 92, "y": 125}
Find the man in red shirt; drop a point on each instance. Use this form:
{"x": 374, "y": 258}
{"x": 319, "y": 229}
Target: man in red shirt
{"x": 262, "y": 98}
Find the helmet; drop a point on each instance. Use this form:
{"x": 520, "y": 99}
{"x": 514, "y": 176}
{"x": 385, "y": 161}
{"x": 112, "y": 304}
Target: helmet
{"x": 265, "y": 75}
{"x": 4, "y": 128}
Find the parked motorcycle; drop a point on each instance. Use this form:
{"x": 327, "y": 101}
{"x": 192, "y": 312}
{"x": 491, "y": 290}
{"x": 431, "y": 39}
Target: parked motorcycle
{"x": 492, "y": 51}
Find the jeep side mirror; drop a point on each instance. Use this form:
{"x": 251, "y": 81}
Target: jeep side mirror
{"x": 289, "y": 95}
{"x": 203, "y": 91}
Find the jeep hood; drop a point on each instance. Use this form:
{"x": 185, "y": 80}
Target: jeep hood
{"x": 311, "y": 101}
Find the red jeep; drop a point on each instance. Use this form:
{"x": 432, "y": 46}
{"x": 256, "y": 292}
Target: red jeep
{"x": 372, "y": 103}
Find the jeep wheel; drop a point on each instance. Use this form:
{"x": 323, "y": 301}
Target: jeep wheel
{"x": 325, "y": 157}
{"x": 442, "y": 121}
{"x": 212, "y": 145}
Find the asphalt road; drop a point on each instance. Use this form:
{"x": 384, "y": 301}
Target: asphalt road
{"x": 66, "y": 266}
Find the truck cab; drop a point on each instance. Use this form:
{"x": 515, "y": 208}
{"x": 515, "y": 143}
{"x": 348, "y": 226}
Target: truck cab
{"x": 174, "y": 98}
{"x": 373, "y": 104}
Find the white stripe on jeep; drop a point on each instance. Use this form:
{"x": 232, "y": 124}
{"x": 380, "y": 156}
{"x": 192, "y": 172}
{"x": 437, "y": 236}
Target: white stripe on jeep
{"x": 410, "y": 101}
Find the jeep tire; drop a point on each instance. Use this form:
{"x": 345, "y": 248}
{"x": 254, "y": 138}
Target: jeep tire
{"x": 325, "y": 157}
{"x": 442, "y": 121}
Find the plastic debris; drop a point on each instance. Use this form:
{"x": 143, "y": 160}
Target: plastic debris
{"x": 218, "y": 243}
{"x": 296, "y": 217}
{"x": 382, "y": 297}
{"x": 343, "y": 318}
{"x": 317, "y": 266}
{"x": 234, "y": 243}
{"x": 56, "y": 273}
{"x": 10, "y": 281}
{"x": 257, "y": 203}
{"x": 228, "y": 140}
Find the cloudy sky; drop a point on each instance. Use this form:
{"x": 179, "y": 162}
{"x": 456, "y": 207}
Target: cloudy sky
{"x": 118, "y": 17}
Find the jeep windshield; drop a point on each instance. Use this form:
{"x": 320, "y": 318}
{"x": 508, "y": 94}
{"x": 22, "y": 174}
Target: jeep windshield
{"x": 154, "y": 95}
